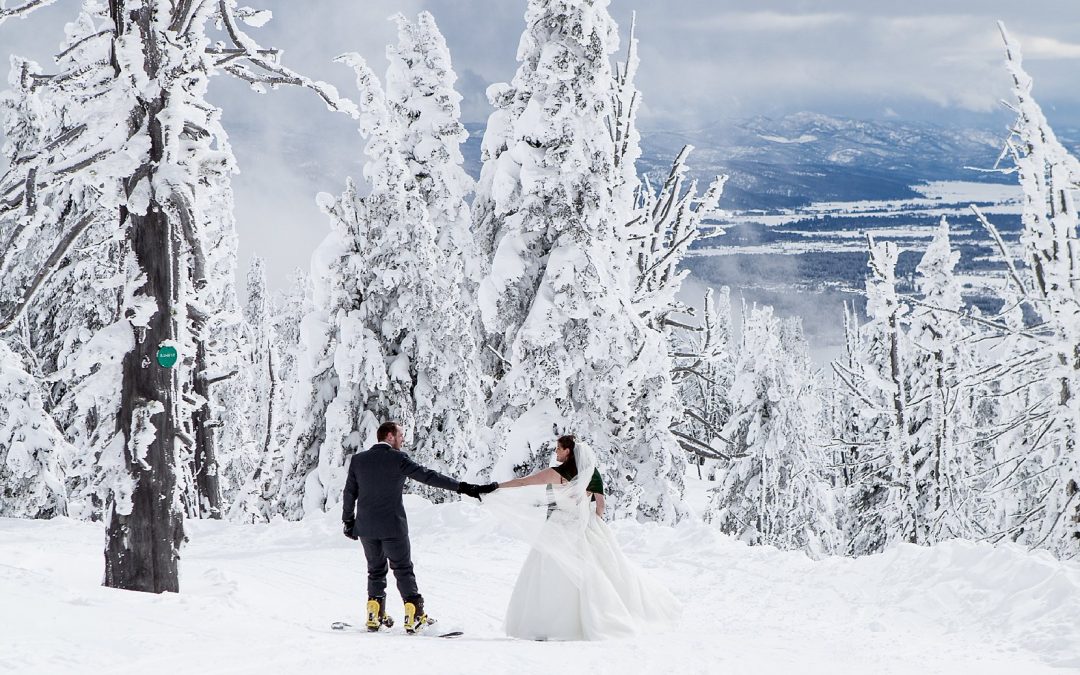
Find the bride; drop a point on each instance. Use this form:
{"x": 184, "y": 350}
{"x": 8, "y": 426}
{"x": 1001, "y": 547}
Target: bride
{"x": 576, "y": 584}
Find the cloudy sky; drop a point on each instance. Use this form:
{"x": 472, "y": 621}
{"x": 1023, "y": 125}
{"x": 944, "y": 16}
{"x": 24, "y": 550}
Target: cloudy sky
{"x": 702, "y": 60}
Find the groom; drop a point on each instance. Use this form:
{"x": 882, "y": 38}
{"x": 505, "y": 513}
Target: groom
{"x": 373, "y": 512}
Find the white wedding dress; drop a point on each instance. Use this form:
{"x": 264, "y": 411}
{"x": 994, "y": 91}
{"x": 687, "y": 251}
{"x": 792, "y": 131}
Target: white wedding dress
{"x": 576, "y": 584}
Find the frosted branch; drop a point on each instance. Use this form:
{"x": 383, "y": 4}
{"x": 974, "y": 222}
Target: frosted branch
{"x": 21, "y": 11}
{"x": 1000, "y": 243}
{"x": 47, "y": 270}
{"x": 276, "y": 74}
{"x": 693, "y": 445}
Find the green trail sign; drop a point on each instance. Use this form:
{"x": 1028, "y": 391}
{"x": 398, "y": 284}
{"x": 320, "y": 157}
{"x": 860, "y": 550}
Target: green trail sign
{"x": 166, "y": 356}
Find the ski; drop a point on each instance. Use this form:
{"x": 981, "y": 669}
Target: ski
{"x": 344, "y": 626}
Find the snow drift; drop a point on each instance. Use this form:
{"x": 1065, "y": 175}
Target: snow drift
{"x": 260, "y": 598}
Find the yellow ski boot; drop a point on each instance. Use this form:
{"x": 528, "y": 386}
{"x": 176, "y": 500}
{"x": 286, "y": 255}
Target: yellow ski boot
{"x": 376, "y": 614}
{"x": 415, "y": 616}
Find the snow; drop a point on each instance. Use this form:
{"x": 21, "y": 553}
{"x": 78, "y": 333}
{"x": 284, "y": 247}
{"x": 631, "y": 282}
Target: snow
{"x": 805, "y": 138}
{"x": 260, "y": 598}
{"x": 257, "y": 19}
{"x": 939, "y": 198}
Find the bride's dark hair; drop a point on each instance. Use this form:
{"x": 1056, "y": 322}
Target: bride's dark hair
{"x": 567, "y": 442}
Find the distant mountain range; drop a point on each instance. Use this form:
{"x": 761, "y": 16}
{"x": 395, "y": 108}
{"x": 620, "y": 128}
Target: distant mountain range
{"x": 802, "y": 158}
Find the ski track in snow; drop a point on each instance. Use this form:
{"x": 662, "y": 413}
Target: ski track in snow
{"x": 260, "y": 599}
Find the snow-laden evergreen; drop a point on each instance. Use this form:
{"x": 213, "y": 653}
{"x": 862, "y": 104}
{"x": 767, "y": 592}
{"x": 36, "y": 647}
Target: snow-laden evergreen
{"x": 660, "y": 227}
{"x": 775, "y": 488}
{"x": 31, "y": 447}
{"x": 293, "y": 304}
{"x": 449, "y": 393}
{"x": 126, "y": 131}
{"x": 389, "y": 338}
{"x": 367, "y": 277}
{"x": 705, "y": 358}
{"x": 940, "y": 420}
{"x": 556, "y": 300}
{"x": 884, "y": 497}
{"x": 1048, "y": 174}
{"x": 60, "y": 330}
{"x": 663, "y": 227}
{"x": 257, "y": 473}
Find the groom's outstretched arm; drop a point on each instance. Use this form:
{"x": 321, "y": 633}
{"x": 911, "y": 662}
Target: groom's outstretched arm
{"x": 422, "y": 474}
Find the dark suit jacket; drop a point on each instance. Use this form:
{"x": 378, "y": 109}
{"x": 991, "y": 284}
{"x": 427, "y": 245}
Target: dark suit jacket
{"x": 373, "y": 491}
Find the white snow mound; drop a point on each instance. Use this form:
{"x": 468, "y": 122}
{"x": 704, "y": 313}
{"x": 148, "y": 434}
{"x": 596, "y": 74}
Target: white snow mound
{"x": 260, "y": 598}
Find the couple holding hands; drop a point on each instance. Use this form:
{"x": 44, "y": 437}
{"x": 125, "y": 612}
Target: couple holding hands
{"x": 575, "y": 583}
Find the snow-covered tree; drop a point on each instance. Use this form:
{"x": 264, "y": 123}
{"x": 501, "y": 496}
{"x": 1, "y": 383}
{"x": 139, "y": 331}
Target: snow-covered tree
{"x": 660, "y": 227}
{"x": 137, "y": 138}
{"x": 775, "y": 489}
{"x": 31, "y": 475}
{"x": 663, "y": 227}
{"x": 377, "y": 346}
{"x": 58, "y": 332}
{"x": 254, "y": 467}
{"x": 1009, "y": 427}
{"x": 556, "y": 299}
{"x": 22, "y": 9}
{"x": 882, "y": 494}
{"x": 939, "y": 400}
{"x": 449, "y": 392}
{"x": 704, "y": 372}
{"x": 293, "y": 304}
{"x": 1049, "y": 174}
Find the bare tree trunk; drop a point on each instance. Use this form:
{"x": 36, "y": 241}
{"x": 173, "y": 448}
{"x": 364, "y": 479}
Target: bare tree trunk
{"x": 204, "y": 469}
{"x": 271, "y": 397}
{"x": 909, "y": 518}
{"x": 142, "y": 546}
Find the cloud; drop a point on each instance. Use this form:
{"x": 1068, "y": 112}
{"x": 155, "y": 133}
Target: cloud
{"x": 1040, "y": 47}
{"x": 767, "y": 21}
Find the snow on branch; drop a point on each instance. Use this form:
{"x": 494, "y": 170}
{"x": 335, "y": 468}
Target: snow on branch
{"x": 47, "y": 269}
{"x": 268, "y": 71}
{"x": 21, "y": 11}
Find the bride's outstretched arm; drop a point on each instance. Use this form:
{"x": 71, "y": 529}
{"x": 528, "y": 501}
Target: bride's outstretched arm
{"x": 544, "y": 477}
{"x": 599, "y": 504}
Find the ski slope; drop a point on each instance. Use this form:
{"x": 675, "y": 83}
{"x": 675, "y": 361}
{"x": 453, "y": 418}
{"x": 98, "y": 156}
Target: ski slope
{"x": 260, "y": 598}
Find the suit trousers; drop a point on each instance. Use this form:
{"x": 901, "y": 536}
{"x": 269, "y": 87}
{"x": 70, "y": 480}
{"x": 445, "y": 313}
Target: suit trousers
{"x": 397, "y": 552}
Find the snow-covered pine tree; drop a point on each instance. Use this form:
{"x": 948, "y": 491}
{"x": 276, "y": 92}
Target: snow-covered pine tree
{"x": 254, "y": 473}
{"x": 888, "y": 354}
{"x": 848, "y": 431}
{"x": 449, "y": 392}
{"x": 704, "y": 371}
{"x": 293, "y": 304}
{"x": 939, "y": 405}
{"x": 1011, "y": 425}
{"x": 555, "y": 301}
{"x": 775, "y": 489}
{"x": 59, "y": 329}
{"x": 659, "y": 229}
{"x": 377, "y": 290}
{"x": 134, "y": 133}
{"x": 883, "y": 501}
{"x": 31, "y": 474}
{"x": 664, "y": 226}
{"x": 1048, "y": 174}
{"x": 219, "y": 384}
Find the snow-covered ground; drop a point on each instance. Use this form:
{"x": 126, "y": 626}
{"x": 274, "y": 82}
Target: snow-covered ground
{"x": 260, "y": 598}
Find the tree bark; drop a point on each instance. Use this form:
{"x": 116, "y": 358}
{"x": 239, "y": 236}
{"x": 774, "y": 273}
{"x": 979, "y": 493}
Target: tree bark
{"x": 204, "y": 467}
{"x": 142, "y": 545}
